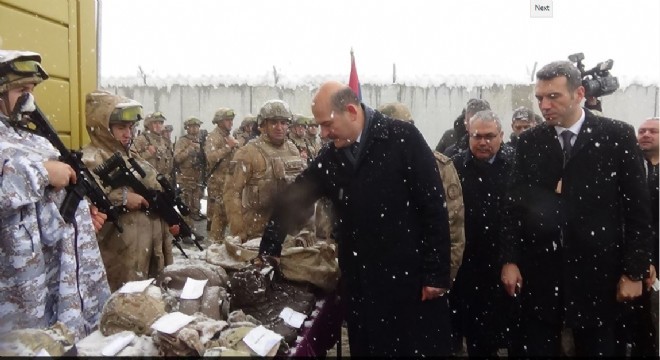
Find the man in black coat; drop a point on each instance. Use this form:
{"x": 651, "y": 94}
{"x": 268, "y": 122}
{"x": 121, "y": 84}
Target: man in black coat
{"x": 576, "y": 236}
{"x": 392, "y": 227}
{"x": 473, "y": 106}
{"x": 477, "y": 298}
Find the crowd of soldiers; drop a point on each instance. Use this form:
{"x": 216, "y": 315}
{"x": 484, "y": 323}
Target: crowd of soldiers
{"x": 245, "y": 174}
{"x": 200, "y": 162}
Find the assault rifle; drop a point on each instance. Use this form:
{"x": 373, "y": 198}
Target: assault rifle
{"x": 201, "y": 159}
{"x": 28, "y": 115}
{"x": 115, "y": 173}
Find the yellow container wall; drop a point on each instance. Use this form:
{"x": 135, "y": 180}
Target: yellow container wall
{"x": 64, "y": 33}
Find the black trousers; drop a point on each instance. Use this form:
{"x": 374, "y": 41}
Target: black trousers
{"x": 541, "y": 338}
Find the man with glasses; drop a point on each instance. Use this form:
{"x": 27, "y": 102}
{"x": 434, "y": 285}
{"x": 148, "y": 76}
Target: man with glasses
{"x": 477, "y": 296}
{"x": 462, "y": 143}
{"x": 152, "y": 146}
{"x": 50, "y": 270}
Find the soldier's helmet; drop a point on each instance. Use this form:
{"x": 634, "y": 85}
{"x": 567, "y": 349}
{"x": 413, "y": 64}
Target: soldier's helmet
{"x": 397, "y": 111}
{"x": 154, "y": 117}
{"x": 300, "y": 120}
{"x": 274, "y": 109}
{"x": 20, "y": 67}
{"x": 223, "y": 114}
{"x": 249, "y": 119}
{"x": 523, "y": 113}
{"x": 192, "y": 121}
{"x": 127, "y": 110}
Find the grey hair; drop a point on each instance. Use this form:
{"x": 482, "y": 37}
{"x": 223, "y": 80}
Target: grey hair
{"x": 487, "y": 116}
{"x": 341, "y": 98}
{"x": 561, "y": 68}
{"x": 475, "y": 105}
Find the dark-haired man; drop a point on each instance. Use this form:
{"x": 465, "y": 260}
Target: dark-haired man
{"x": 576, "y": 236}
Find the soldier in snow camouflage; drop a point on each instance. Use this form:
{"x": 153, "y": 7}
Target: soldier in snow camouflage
{"x": 49, "y": 270}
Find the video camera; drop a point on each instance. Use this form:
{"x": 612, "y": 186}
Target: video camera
{"x": 598, "y": 81}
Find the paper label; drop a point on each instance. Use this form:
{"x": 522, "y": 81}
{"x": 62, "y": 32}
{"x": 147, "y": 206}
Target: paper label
{"x": 262, "y": 340}
{"x": 172, "y": 322}
{"x": 292, "y": 317}
{"x": 193, "y": 289}
{"x": 118, "y": 344}
{"x": 132, "y": 287}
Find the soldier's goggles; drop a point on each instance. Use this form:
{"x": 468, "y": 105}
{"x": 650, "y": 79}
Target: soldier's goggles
{"x": 28, "y": 67}
{"x": 129, "y": 113}
{"x": 158, "y": 115}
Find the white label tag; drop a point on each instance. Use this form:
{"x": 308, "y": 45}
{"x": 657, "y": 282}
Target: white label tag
{"x": 262, "y": 340}
{"x": 172, "y": 322}
{"x": 193, "y": 289}
{"x": 135, "y": 286}
{"x": 118, "y": 344}
{"x": 292, "y": 317}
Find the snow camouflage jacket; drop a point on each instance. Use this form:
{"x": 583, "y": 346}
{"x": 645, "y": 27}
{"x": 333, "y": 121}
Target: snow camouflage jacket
{"x": 49, "y": 270}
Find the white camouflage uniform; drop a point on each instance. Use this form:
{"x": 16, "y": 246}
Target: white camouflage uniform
{"x": 49, "y": 270}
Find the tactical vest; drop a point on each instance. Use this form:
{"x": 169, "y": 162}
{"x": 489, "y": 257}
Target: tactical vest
{"x": 282, "y": 166}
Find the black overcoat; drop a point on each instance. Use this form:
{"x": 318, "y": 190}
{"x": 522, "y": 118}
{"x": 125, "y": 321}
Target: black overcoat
{"x": 572, "y": 245}
{"x": 393, "y": 237}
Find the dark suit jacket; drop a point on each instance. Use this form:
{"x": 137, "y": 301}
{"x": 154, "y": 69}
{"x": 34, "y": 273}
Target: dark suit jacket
{"x": 573, "y": 247}
{"x": 393, "y": 237}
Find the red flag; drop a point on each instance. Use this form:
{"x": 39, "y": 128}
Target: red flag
{"x": 353, "y": 81}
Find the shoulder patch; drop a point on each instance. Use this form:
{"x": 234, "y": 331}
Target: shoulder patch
{"x": 453, "y": 191}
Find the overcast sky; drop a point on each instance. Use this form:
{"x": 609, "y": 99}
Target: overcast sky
{"x": 465, "y": 42}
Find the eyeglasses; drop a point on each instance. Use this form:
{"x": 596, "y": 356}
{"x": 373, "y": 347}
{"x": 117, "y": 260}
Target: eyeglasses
{"x": 28, "y": 67}
{"x": 487, "y": 137}
{"x": 130, "y": 113}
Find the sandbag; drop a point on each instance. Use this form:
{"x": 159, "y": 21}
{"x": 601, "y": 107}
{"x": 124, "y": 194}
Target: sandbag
{"x": 191, "y": 340}
{"x": 174, "y": 276}
{"x": 315, "y": 264}
{"x": 134, "y": 312}
{"x": 29, "y": 342}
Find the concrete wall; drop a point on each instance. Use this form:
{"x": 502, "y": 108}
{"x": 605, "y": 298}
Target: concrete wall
{"x": 434, "y": 108}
